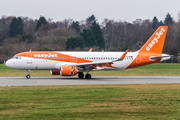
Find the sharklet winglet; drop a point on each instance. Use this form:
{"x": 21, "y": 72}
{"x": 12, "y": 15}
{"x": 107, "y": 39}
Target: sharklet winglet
{"x": 122, "y": 57}
{"x": 91, "y": 50}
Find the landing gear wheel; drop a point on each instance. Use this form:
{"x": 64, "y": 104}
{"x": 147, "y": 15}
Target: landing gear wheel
{"x": 28, "y": 76}
{"x": 88, "y": 76}
{"x": 81, "y": 75}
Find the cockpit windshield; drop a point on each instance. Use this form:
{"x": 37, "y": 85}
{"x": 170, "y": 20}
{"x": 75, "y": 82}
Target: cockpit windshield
{"x": 16, "y": 57}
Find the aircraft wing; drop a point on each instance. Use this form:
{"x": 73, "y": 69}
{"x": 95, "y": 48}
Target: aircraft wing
{"x": 100, "y": 64}
{"x": 106, "y": 62}
{"x": 58, "y": 65}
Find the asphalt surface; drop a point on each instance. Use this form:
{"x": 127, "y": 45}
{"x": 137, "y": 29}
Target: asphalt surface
{"x": 35, "y": 81}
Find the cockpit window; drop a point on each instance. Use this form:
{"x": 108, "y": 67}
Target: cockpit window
{"x": 16, "y": 57}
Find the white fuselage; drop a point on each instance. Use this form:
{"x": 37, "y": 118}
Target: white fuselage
{"x": 45, "y": 63}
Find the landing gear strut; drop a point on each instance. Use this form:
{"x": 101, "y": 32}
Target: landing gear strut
{"x": 28, "y": 76}
{"x": 81, "y": 75}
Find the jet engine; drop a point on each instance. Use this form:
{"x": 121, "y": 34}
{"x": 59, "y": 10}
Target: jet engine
{"x": 68, "y": 70}
{"x": 65, "y": 71}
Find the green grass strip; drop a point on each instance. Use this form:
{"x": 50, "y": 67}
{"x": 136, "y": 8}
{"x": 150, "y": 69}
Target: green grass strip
{"x": 100, "y": 102}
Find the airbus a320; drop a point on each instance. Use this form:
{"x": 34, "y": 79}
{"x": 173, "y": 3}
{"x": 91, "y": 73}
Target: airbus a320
{"x": 71, "y": 63}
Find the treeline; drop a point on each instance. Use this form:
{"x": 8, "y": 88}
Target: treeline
{"x": 18, "y": 34}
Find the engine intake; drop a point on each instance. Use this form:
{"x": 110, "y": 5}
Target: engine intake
{"x": 68, "y": 70}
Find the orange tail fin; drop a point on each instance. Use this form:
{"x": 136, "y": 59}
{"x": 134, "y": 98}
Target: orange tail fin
{"x": 156, "y": 41}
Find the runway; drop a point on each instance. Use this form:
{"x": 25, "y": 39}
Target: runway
{"x": 41, "y": 81}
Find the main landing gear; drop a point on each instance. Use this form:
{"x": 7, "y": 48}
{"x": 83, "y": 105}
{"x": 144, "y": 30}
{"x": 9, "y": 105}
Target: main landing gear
{"x": 28, "y": 75}
{"x": 81, "y": 75}
{"x": 87, "y": 76}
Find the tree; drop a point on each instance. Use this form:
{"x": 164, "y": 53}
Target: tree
{"x": 76, "y": 26}
{"x": 74, "y": 42}
{"x": 161, "y": 23}
{"x": 92, "y": 18}
{"x": 155, "y": 22}
{"x": 4, "y": 27}
{"x": 89, "y": 38}
{"x": 98, "y": 34}
{"x": 168, "y": 20}
{"x": 41, "y": 21}
{"x": 16, "y": 27}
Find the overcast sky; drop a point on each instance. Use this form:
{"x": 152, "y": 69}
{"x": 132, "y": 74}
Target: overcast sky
{"x": 58, "y": 10}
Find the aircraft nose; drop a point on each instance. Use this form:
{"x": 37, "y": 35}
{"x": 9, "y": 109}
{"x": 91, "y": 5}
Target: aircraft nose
{"x": 8, "y": 63}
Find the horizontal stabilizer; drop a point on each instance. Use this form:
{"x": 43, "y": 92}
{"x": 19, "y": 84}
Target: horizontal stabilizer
{"x": 153, "y": 58}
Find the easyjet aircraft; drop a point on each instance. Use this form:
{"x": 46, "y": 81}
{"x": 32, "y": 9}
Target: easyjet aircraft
{"x": 72, "y": 63}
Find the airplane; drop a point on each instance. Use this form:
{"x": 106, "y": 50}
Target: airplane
{"x": 71, "y": 63}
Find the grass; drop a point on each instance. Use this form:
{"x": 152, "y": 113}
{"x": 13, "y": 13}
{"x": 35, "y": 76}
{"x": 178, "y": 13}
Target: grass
{"x": 159, "y": 69}
{"x": 107, "y": 102}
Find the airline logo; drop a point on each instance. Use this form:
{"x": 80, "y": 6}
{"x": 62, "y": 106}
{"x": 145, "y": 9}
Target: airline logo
{"x": 45, "y": 55}
{"x": 156, "y": 38}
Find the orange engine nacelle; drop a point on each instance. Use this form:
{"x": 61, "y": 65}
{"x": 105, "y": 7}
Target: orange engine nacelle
{"x": 68, "y": 71}
{"x": 65, "y": 71}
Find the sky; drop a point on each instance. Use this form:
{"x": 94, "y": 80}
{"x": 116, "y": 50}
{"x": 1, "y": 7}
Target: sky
{"x": 118, "y": 10}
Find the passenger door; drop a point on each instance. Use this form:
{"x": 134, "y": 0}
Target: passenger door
{"x": 29, "y": 58}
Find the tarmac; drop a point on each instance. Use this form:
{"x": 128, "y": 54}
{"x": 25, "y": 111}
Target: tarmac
{"x": 45, "y": 81}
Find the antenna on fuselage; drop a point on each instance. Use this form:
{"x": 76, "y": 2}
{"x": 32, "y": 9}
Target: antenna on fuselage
{"x": 30, "y": 50}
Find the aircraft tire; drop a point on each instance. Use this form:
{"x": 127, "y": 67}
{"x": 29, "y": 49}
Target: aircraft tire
{"x": 88, "y": 76}
{"x": 28, "y": 76}
{"x": 81, "y": 75}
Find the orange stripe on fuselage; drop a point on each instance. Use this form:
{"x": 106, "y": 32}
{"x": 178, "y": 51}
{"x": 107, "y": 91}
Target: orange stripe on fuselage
{"x": 53, "y": 56}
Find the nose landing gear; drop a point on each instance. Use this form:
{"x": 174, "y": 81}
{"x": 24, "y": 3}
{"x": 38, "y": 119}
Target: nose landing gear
{"x": 28, "y": 76}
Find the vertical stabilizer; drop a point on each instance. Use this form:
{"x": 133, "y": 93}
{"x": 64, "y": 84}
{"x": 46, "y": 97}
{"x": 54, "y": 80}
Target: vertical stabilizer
{"x": 151, "y": 52}
{"x": 156, "y": 41}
